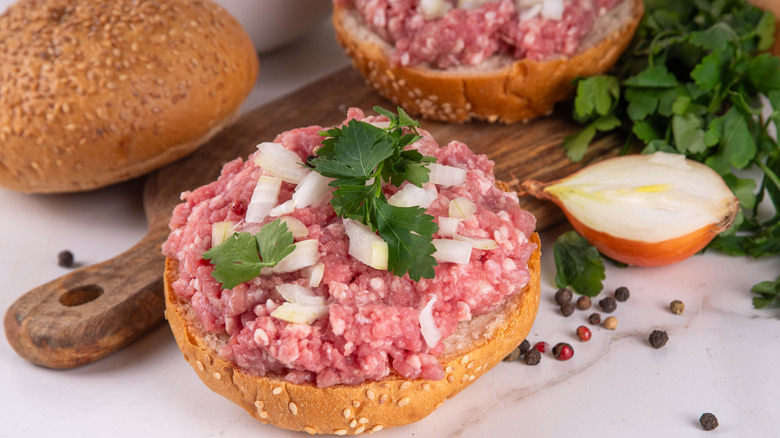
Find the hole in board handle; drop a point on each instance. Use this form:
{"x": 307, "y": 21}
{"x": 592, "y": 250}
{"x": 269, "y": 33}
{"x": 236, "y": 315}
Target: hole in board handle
{"x": 81, "y": 295}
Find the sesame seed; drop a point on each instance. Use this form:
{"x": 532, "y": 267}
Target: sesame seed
{"x": 363, "y": 420}
{"x": 347, "y": 413}
{"x": 355, "y": 403}
{"x": 406, "y": 384}
{"x": 293, "y": 408}
{"x": 451, "y": 379}
{"x": 353, "y": 423}
{"x": 259, "y": 404}
{"x": 207, "y": 359}
{"x": 471, "y": 365}
{"x": 464, "y": 359}
{"x": 340, "y": 431}
{"x": 403, "y": 402}
{"x": 263, "y": 414}
{"x": 200, "y": 365}
{"x": 369, "y": 394}
{"x": 449, "y": 369}
{"x": 382, "y": 399}
{"x": 377, "y": 428}
{"x": 310, "y": 430}
{"x": 472, "y": 377}
{"x": 217, "y": 376}
{"x": 277, "y": 390}
{"x": 360, "y": 429}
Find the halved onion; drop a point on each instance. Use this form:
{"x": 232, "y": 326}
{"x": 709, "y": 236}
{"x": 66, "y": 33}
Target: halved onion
{"x": 448, "y": 225}
{"x": 412, "y": 196}
{"x": 264, "y": 198}
{"x": 428, "y": 328}
{"x": 462, "y": 208}
{"x": 305, "y": 253}
{"x": 221, "y": 231}
{"x": 476, "y": 242}
{"x": 645, "y": 210}
{"x": 280, "y": 162}
{"x": 295, "y": 226}
{"x": 365, "y": 245}
{"x": 299, "y": 314}
{"x": 446, "y": 175}
{"x": 452, "y": 251}
{"x": 295, "y": 293}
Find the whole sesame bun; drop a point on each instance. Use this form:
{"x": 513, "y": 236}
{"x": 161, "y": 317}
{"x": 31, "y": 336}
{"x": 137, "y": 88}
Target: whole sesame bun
{"x": 500, "y": 89}
{"x": 476, "y": 347}
{"x": 93, "y": 92}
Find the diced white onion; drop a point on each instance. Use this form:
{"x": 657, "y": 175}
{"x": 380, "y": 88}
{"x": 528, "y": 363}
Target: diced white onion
{"x": 296, "y": 227}
{"x": 477, "y": 242}
{"x": 462, "y": 208}
{"x": 552, "y": 9}
{"x": 412, "y": 196}
{"x": 315, "y": 273}
{"x": 446, "y": 175}
{"x": 264, "y": 198}
{"x": 297, "y": 294}
{"x": 312, "y": 190}
{"x": 448, "y": 225}
{"x": 299, "y": 314}
{"x": 428, "y": 327}
{"x": 365, "y": 245}
{"x": 221, "y": 231}
{"x": 452, "y": 251}
{"x": 305, "y": 253}
{"x": 384, "y": 124}
{"x": 285, "y": 207}
{"x": 280, "y": 162}
{"x": 470, "y": 4}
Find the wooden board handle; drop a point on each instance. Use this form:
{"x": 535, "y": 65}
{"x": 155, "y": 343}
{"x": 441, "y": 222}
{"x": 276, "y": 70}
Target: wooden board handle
{"x": 91, "y": 312}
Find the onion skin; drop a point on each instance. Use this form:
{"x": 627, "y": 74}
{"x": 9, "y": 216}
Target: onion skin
{"x": 637, "y": 252}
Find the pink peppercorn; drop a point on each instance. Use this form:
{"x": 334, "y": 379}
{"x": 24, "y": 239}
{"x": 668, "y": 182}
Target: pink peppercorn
{"x": 583, "y": 333}
{"x": 542, "y": 346}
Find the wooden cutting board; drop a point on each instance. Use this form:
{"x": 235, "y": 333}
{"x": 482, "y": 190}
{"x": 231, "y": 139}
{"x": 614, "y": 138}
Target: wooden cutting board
{"x": 95, "y": 311}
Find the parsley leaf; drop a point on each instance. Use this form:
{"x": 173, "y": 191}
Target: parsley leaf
{"x": 242, "y": 256}
{"x": 360, "y": 157}
{"x": 579, "y": 264}
{"x": 768, "y": 293}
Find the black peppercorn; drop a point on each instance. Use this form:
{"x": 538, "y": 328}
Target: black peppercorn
{"x": 594, "y": 319}
{"x": 524, "y": 346}
{"x": 65, "y": 259}
{"x": 708, "y": 421}
{"x": 532, "y": 357}
{"x": 658, "y": 338}
{"x": 567, "y": 309}
{"x": 563, "y": 296}
{"x": 622, "y": 293}
{"x": 583, "y": 302}
{"x": 608, "y": 304}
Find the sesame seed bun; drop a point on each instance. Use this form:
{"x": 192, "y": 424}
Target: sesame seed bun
{"x": 93, "y": 93}
{"x": 500, "y": 89}
{"x": 476, "y": 347}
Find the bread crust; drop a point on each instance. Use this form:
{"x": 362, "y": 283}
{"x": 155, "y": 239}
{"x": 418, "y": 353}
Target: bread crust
{"x": 83, "y": 106}
{"x": 510, "y": 91}
{"x": 372, "y": 405}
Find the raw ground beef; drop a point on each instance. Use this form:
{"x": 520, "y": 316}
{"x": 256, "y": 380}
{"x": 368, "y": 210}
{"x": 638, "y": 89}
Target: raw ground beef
{"x": 372, "y": 327}
{"x": 470, "y": 36}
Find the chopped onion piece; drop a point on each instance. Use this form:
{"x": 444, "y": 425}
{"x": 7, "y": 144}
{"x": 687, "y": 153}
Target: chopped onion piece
{"x": 446, "y": 175}
{"x": 448, "y": 225}
{"x": 296, "y": 227}
{"x": 477, "y": 242}
{"x": 297, "y": 294}
{"x": 365, "y": 245}
{"x": 221, "y": 231}
{"x": 384, "y": 124}
{"x": 412, "y": 196}
{"x": 428, "y": 328}
{"x": 462, "y": 208}
{"x": 471, "y": 4}
{"x": 299, "y": 314}
{"x": 312, "y": 190}
{"x": 280, "y": 162}
{"x": 305, "y": 253}
{"x": 452, "y": 251}
{"x": 315, "y": 273}
{"x": 286, "y": 207}
{"x": 552, "y": 9}
{"x": 264, "y": 198}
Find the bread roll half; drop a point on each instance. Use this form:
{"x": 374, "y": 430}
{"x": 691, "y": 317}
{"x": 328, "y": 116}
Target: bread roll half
{"x": 476, "y": 347}
{"x": 500, "y": 89}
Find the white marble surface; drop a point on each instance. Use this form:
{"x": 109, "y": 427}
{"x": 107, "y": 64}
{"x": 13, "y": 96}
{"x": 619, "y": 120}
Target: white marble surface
{"x": 723, "y": 356}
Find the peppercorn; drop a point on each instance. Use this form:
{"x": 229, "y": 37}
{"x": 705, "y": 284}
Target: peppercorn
{"x": 567, "y": 309}
{"x": 658, "y": 338}
{"x": 583, "y": 302}
{"x": 610, "y": 323}
{"x": 541, "y": 346}
{"x": 563, "y": 296}
{"x": 524, "y": 346}
{"x": 563, "y": 351}
{"x": 513, "y": 355}
{"x": 583, "y": 333}
{"x": 608, "y": 304}
{"x": 622, "y": 293}
{"x": 65, "y": 259}
{"x": 677, "y": 307}
{"x": 708, "y": 421}
{"x": 238, "y": 207}
{"x": 594, "y": 318}
{"x": 532, "y": 357}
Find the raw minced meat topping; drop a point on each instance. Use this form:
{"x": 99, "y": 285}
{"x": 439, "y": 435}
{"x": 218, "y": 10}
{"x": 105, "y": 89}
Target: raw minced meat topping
{"x": 373, "y": 322}
{"x": 448, "y": 33}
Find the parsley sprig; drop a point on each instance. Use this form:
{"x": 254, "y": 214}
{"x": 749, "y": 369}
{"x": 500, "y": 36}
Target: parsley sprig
{"x": 242, "y": 256}
{"x": 695, "y": 81}
{"x": 360, "y": 157}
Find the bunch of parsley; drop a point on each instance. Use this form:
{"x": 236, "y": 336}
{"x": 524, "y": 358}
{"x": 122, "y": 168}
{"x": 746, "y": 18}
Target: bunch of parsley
{"x": 695, "y": 81}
